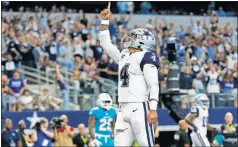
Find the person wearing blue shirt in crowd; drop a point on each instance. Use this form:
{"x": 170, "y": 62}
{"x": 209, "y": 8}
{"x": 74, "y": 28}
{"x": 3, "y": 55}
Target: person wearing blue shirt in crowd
{"x": 102, "y": 121}
{"x": 221, "y": 12}
{"x": 42, "y": 136}
{"x": 145, "y": 7}
{"x": 122, "y": 7}
{"x": 16, "y": 88}
{"x": 9, "y": 137}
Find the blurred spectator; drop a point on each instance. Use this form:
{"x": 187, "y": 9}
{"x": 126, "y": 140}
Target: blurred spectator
{"x": 78, "y": 62}
{"x": 25, "y": 139}
{"x": 96, "y": 20}
{"x": 9, "y": 65}
{"x": 145, "y": 7}
{"x": 103, "y": 65}
{"x": 66, "y": 54}
{"x": 9, "y": 137}
{"x": 130, "y": 7}
{"x": 26, "y": 101}
{"x": 112, "y": 71}
{"x": 124, "y": 21}
{"x": 213, "y": 22}
{"x": 16, "y": 88}
{"x": 186, "y": 82}
{"x": 4, "y": 93}
{"x": 42, "y": 135}
{"x": 26, "y": 53}
{"x": 198, "y": 83}
{"x": 227, "y": 88}
{"x": 212, "y": 79}
{"x": 221, "y": 12}
{"x": 229, "y": 131}
{"x": 63, "y": 135}
{"x": 51, "y": 53}
{"x": 63, "y": 89}
{"x": 186, "y": 78}
{"x": 80, "y": 139}
{"x": 197, "y": 27}
{"x": 122, "y": 7}
{"x": 47, "y": 102}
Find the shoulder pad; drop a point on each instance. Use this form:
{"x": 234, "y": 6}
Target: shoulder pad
{"x": 149, "y": 58}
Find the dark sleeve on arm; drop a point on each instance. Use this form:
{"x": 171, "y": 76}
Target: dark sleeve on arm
{"x": 186, "y": 139}
{"x": 149, "y": 58}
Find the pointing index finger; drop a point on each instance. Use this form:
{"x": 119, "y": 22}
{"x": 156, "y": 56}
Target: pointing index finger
{"x": 109, "y": 6}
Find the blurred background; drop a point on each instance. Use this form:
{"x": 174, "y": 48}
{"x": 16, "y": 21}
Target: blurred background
{"x": 53, "y": 64}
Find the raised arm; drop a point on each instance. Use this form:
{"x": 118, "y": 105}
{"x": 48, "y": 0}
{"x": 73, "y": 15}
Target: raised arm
{"x": 105, "y": 40}
{"x": 191, "y": 18}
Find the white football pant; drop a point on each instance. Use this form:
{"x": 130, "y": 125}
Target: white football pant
{"x": 132, "y": 124}
{"x": 199, "y": 139}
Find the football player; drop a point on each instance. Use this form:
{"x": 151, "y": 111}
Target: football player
{"x": 102, "y": 121}
{"x": 138, "y": 87}
{"x": 198, "y": 119}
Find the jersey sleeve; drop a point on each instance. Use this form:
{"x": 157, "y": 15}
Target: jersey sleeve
{"x": 194, "y": 109}
{"x": 92, "y": 112}
{"x": 149, "y": 58}
{"x": 106, "y": 43}
{"x": 114, "y": 112}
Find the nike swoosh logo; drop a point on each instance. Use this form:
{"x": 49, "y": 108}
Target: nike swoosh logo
{"x": 120, "y": 130}
{"x": 134, "y": 110}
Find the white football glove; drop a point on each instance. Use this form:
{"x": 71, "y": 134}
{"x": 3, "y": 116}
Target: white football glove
{"x": 97, "y": 143}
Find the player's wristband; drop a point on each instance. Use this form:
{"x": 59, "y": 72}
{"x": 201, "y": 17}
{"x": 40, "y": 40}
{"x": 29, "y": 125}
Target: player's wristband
{"x": 153, "y": 104}
{"x": 105, "y": 22}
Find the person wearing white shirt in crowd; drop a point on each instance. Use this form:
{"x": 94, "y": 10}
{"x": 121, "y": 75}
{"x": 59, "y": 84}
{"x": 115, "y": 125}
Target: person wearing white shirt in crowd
{"x": 213, "y": 85}
{"x": 197, "y": 28}
{"x": 26, "y": 100}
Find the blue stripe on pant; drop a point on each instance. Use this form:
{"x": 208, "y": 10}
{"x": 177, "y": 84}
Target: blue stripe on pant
{"x": 200, "y": 139}
{"x": 146, "y": 124}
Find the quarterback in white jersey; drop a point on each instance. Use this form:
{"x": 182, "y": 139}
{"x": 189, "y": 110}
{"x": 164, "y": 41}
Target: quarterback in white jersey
{"x": 138, "y": 88}
{"x": 198, "y": 119}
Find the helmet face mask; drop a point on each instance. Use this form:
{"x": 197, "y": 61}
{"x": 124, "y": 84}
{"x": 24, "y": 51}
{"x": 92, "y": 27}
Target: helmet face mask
{"x": 104, "y": 101}
{"x": 139, "y": 38}
{"x": 203, "y": 101}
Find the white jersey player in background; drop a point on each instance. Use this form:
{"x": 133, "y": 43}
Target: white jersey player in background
{"x": 138, "y": 87}
{"x": 198, "y": 119}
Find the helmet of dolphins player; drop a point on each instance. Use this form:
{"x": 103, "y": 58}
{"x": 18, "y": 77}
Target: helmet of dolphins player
{"x": 104, "y": 101}
{"x": 203, "y": 101}
{"x": 139, "y": 38}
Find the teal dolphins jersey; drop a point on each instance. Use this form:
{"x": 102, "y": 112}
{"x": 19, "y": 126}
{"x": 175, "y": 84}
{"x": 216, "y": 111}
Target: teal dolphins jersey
{"x": 103, "y": 121}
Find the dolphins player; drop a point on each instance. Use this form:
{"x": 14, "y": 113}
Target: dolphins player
{"x": 138, "y": 87}
{"x": 102, "y": 121}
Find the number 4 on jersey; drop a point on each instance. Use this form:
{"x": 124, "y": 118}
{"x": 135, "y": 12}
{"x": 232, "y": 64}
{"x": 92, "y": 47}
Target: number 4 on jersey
{"x": 124, "y": 75}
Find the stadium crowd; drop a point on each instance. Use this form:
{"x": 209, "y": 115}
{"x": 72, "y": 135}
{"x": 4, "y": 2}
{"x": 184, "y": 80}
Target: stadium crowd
{"x": 206, "y": 53}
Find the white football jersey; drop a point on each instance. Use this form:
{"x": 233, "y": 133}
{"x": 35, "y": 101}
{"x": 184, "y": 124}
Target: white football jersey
{"x": 132, "y": 86}
{"x": 202, "y": 119}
